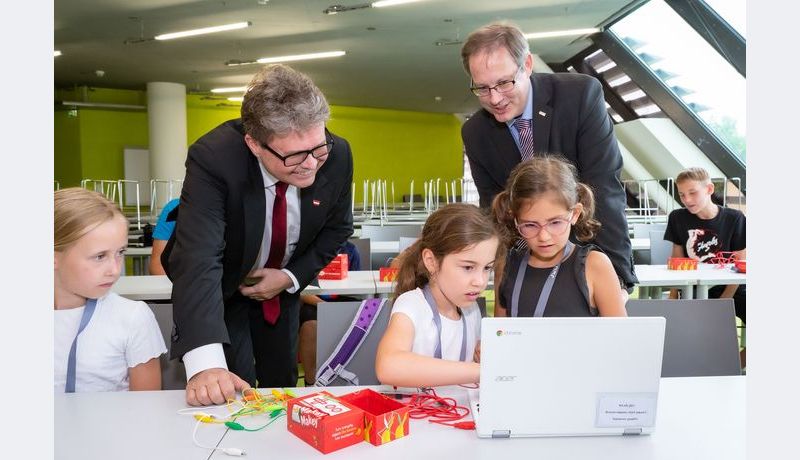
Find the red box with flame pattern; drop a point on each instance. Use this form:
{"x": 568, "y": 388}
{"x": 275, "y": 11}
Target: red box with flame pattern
{"x": 681, "y": 263}
{"x": 385, "y": 419}
{"x": 336, "y": 270}
{"x": 387, "y": 274}
{"x": 325, "y": 422}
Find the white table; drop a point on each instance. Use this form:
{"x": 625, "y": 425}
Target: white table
{"x": 159, "y": 287}
{"x": 699, "y": 417}
{"x": 125, "y": 425}
{"x": 660, "y": 276}
{"x": 357, "y": 283}
{"x": 149, "y": 287}
{"x": 712, "y": 275}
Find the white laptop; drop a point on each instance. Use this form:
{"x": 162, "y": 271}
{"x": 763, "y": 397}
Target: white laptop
{"x": 568, "y": 376}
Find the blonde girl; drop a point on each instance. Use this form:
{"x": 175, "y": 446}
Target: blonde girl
{"x": 103, "y": 342}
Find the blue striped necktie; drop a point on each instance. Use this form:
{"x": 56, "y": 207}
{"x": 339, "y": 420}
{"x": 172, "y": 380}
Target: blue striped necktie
{"x": 525, "y": 138}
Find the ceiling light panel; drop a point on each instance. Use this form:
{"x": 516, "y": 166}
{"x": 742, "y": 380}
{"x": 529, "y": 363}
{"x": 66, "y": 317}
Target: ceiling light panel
{"x": 203, "y": 31}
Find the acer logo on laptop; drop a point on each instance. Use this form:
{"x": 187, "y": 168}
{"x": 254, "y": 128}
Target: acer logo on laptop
{"x": 505, "y": 378}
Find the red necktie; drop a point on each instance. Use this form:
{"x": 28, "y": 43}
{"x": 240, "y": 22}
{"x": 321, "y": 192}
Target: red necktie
{"x": 525, "y": 138}
{"x": 277, "y": 249}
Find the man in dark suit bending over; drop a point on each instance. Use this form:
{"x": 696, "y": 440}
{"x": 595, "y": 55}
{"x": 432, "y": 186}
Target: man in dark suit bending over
{"x": 526, "y": 114}
{"x": 239, "y": 256}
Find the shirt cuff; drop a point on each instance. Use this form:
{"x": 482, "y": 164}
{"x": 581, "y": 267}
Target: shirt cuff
{"x": 295, "y": 284}
{"x": 204, "y": 357}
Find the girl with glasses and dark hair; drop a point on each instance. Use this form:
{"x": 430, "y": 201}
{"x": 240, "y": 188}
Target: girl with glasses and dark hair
{"x": 545, "y": 274}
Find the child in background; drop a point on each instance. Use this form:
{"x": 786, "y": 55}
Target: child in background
{"x": 551, "y": 276}
{"x": 433, "y": 332}
{"x": 703, "y": 229}
{"x": 103, "y": 342}
{"x": 164, "y": 228}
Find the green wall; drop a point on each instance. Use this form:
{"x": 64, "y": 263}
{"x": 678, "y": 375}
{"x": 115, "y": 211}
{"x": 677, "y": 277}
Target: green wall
{"x": 104, "y": 136}
{"x": 67, "y": 148}
{"x": 400, "y": 146}
{"x": 203, "y": 115}
{"x": 388, "y": 144}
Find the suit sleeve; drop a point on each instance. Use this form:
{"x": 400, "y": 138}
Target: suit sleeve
{"x": 337, "y": 228}
{"x": 600, "y": 164}
{"x": 195, "y": 263}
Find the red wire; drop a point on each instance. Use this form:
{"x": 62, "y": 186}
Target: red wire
{"x": 438, "y": 410}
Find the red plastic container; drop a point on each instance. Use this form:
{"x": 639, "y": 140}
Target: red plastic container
{"x": 325, "y": 422}
{"x": 336, "y": 270}
{"x": 385, "y": 419}
{"x": 741, "y": 266}
{"x": 387, "y": 274}
{"x": 681, "y": 263}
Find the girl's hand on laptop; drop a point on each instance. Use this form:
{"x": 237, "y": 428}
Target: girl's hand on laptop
{"x": 477, "y": 356}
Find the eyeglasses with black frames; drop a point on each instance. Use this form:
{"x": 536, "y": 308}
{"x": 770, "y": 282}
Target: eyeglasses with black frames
{"x": 293, "y": 159}
{"x": 554, "y": 227}
{"x": 501, "y": 87}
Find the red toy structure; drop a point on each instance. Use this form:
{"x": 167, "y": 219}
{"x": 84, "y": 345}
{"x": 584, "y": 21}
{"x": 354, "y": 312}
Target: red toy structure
{"x": 723, "y": 259}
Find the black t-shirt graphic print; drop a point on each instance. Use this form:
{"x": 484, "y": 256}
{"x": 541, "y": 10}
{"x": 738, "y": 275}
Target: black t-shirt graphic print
{"x": 703, "y": 240}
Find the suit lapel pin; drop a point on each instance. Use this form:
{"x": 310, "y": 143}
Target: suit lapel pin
{"x": 542, "y": 114}
{"x": 315, "y": 202}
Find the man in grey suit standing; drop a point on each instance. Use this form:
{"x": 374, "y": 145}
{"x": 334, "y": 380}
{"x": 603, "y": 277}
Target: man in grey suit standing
{"x": 525, "y": 114}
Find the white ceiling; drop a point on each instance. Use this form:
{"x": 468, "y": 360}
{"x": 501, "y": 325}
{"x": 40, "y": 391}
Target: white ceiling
{"x": 397, "y": 65}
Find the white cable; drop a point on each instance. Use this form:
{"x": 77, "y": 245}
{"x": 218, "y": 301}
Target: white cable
{"x": 232, "y": 451}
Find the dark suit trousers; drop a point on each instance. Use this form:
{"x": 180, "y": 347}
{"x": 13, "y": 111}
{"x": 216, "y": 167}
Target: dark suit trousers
{"x": 274, "y": 347}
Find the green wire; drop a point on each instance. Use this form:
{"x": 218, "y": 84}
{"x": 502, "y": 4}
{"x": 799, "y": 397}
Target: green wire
{"x": 238, "y": 427}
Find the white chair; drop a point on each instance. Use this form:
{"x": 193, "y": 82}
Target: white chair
{"x": 660, "y": 249}
{"x": 405, "y": 242}
{"x": 643, "y": 231}
{"x": 390, "y": 232}
{"x": 364, "y": 252}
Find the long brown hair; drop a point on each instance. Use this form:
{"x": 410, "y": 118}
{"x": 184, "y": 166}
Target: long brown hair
{"x": 533, "y": 178}
{"x": 76, "y": 212}
{"x": 448, "y": 230}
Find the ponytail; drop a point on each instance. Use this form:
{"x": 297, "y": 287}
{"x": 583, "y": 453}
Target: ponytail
{"x": 586, "y": 227}
{"x": 411, "y": 272}
{"x": 504, "y": 218}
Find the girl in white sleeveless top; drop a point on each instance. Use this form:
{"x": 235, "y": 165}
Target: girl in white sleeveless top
{"x": 433, "y": 333}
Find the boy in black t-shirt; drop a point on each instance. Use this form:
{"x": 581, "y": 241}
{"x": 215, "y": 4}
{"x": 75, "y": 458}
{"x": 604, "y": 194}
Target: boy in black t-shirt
{"x": 703, "y": 229}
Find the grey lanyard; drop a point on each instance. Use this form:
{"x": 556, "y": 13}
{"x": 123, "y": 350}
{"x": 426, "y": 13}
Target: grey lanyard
{"x": 437, "y": 353}
{"x": 87, "y": 315}
{"x": 548, "y": 285}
